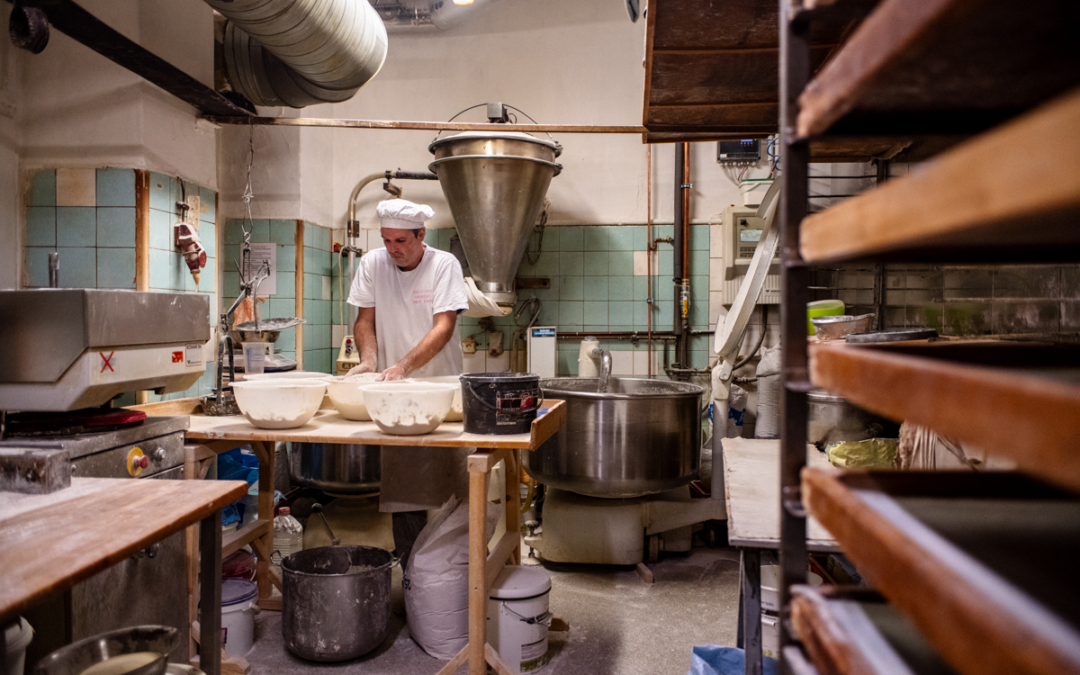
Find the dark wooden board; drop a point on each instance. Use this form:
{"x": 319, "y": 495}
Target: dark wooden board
{"x": 853, "y": 631}
{"x": 945, "y": 65}
{"x": 989, "y": 580}
{"x": 1016, "y": 400}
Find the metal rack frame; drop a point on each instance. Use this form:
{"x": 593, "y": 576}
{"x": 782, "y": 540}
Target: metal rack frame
{"x": 794, "y": 294}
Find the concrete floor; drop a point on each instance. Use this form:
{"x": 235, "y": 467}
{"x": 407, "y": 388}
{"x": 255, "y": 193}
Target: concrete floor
{"x": 618, "y": 624}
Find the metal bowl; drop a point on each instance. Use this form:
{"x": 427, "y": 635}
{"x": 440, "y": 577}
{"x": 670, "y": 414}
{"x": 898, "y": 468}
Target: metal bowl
{"x": 345, "y": 468}
{"x": 839, "y": 327}
{"x": 77, "y": 657}
{"x": 240, "y": 336}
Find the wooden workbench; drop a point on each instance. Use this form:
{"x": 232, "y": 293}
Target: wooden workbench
{"x": 51, "y": 542}
{"x": 752, "y": 491}
{"x": 219, "y": 434}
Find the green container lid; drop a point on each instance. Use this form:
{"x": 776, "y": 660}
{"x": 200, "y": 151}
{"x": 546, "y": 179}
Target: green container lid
{"x": 822, "y": 308}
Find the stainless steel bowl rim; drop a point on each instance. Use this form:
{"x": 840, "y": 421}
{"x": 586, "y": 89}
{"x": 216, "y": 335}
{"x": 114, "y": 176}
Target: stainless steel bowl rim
{"x": 840, "y": 318}
{"x": 168, "y": 634}
{"x": 822, "y": 396}
{"x": 504, "y": 135}
{"x": 680, "y": 390}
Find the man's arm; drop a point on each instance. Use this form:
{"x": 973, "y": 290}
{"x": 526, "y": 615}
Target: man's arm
{"x": 364, "y": 336}
{"x": 440, "y": 334}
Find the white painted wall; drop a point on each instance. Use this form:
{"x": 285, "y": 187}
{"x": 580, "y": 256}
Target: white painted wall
{"x": 77, "y": 108}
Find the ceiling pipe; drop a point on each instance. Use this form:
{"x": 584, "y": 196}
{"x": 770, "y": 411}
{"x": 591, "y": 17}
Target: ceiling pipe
{"x": 301, "y": 52}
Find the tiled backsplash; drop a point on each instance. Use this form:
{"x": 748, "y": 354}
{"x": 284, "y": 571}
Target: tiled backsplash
{"x": 317, "y": 286}
{"x": 966, "y": 300}
{"x": 597, "y": 285}
{"x": 89, "y": 217}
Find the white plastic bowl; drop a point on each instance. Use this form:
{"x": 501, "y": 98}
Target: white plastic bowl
{"x": 279, "y": 404}
{"x": 349, "y": 399}
{"x": 455, "y": 414}
{"x": 408, "y": 408}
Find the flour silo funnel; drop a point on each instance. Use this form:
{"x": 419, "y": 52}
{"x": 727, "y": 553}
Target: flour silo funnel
{"x": 495, "y": 184}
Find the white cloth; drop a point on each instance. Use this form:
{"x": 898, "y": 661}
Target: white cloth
{"x": 481, "y": 305}
{"x": 406, "y": 302}
{"x": 401, "y": 214}
{"x": 414, "y": 478}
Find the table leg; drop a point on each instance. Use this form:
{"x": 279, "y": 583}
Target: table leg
{"x": 513, "y": 500}
{"x": 750, "y": 567}
{"x": 210, "y": 593}
{"x": 478, "y": 489}
{"x": 265, "y": 453}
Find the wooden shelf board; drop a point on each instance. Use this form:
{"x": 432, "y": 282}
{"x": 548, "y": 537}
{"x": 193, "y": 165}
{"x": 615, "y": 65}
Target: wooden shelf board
{"x": 993, "y": 198}
{"x": 1014, "y": 399}
{"x": 953, "y": 65}
{"x": 854, "y": 631}
{"x": 983, "y": 564}
{"x": 52, "y": 542}
{"x": 231, "y": 542}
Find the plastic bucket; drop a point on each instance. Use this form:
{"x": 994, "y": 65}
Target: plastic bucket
{"x": 238, "y": 598}
{"x": 518, "y": 616}
{"x": 17, "y": 637}
{"x": 500, "y": 403}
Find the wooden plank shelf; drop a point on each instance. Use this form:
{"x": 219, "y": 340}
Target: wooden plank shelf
{"x": 993, "y": 199}
{"x": 984, "y": 564}
{"x": 232, "y": 542}
{"x": 1013, "y": 399}
{"x": 854, "y": 631}
{"x": 944, "y": 66}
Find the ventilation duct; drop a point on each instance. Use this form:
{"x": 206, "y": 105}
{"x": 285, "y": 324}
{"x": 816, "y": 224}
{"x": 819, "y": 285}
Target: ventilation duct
{"x": 301, "y": 52}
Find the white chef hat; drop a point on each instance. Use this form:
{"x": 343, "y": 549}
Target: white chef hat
{"x": 401, "y": 214}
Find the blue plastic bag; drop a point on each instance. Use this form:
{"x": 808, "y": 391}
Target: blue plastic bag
{"x": 235, "y": 465}
{"x": 717, "y": 660}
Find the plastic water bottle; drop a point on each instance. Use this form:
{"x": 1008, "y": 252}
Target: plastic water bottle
{"x": 288, "y": 535}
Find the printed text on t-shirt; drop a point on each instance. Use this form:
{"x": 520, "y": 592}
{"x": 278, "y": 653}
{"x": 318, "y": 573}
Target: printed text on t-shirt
{"x": 422, "y": 297}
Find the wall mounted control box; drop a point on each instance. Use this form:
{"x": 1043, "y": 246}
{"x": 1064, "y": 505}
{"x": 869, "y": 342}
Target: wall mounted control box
{"x": 543, "y": 352}
{"x": 742, "y": 231}
{"x": 748, "y": 151}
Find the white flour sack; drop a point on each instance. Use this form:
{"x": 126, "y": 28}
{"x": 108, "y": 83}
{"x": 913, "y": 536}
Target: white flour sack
{"x": 437, "y": 580}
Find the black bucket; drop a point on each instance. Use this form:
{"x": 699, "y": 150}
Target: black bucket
{"x": 500, "y": 403}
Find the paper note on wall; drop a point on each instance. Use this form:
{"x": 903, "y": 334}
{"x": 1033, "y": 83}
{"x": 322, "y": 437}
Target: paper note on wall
{"x": 261, "y": 253}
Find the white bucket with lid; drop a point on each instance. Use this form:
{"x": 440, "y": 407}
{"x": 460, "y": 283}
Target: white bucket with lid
{"x": 17, "y": 637}
{"x": 518, "y": 616}
{"x": 238, "y": 598}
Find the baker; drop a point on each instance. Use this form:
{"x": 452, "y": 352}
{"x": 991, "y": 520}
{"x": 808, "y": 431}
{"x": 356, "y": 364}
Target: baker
{"x": 409, "y": 296}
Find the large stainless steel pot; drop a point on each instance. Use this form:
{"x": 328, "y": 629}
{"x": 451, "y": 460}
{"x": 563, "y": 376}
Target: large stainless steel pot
{"x": 336, "y": 467}
{"x": 832, "y": 419}
{"x": 638, "y": 438}
{"x": 336, "y": 601}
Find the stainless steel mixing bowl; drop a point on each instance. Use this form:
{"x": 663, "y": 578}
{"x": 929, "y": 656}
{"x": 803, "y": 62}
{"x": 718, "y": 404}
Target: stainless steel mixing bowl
{"x": 640, "y": 437}
{"x": 336, "y": 467}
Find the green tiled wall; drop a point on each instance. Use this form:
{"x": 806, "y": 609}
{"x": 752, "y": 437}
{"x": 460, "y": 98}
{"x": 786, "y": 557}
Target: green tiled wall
{"x": 318, "y": 351}
{"x": 594, "y": 288}
{"x": 96, "y": 242}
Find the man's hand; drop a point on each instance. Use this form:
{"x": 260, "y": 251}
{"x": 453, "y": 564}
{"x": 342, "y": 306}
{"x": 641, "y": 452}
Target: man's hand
{"x": 361, "y": 369}
{"x": 395, "y": 372}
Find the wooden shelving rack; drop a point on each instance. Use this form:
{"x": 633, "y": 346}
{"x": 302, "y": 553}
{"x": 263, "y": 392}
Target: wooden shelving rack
{"x": 980, "y": 565}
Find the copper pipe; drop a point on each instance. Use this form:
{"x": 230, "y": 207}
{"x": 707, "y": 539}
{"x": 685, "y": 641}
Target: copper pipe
{"x": 649, "y": 244}
{"x": 686, "y": 211}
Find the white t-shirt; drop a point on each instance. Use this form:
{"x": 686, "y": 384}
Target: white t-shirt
{"x": 406, "y": 302}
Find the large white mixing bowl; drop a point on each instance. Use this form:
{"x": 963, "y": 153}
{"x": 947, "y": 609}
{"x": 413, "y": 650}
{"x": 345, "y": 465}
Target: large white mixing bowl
{"x": 409, "y": 408}
{"x": 455, "y": 414}
{"x": 279, "y": 404}
{"x": 347, "y": 397}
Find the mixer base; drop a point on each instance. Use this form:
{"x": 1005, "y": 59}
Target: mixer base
{"x": 581, "y": 529}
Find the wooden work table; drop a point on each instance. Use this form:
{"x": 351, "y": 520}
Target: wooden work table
{"x": 219, "y": 434}
{"x": 51, "y": 542}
